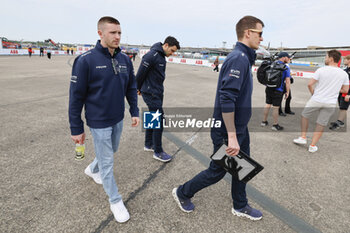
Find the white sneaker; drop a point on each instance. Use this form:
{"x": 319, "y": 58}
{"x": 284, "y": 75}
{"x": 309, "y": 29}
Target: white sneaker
{"x": 120, "y": 212}
{"x": 145, "y": 148}
{"x": 300, "y": 140}
{"x": 313, "y": 149}
{"x": 95, "y": 176}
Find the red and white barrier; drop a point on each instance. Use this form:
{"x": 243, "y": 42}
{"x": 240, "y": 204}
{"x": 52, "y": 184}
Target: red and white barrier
{"x": 207, "y": 63}
{"x": 25, "y": 52}
{"x": 295, "y": 73}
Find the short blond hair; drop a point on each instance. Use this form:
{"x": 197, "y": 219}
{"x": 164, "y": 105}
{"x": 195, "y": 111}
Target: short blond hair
{"x": 106, "y": 19}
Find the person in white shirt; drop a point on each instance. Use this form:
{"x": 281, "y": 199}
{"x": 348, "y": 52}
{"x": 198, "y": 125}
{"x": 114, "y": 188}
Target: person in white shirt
{"x": 329, "y": 80}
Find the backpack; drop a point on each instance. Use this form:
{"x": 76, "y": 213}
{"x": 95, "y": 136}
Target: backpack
{"x": 270, "y": 73}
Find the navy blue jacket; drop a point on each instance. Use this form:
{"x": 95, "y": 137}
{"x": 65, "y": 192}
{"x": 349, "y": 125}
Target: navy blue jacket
{"x": 101, "y": 88}
{"x": 235, "y": 86}
{"x": 151, "y": 74}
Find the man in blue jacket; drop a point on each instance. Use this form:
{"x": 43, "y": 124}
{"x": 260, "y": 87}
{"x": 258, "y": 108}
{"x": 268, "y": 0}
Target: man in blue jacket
{"x": 101, "y": 79}
{"x": 150, "y": 78}
{"x": 233, "y": 107}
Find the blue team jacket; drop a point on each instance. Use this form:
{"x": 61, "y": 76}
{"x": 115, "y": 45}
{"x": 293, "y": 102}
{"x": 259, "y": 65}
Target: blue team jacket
{"x": 151, "y": 74}
{"x": 235, "y": 86}
{"x": 101, "y": 85}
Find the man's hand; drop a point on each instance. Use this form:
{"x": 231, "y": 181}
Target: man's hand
{"x": 138, "y": 92}
{"x": 78, "y": 139}
{"x": 347, "y": 98}
{"x": 286, "y": 95}
{"x": 233, "y": 147}
{"x": 135, "y": 121}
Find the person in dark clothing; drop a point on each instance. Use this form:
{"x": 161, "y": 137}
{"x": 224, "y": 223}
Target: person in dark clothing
{"x": 41, "y": 51}
{"x": 72, "y": 51}
{"x": 216, "y": 64}
{"x": 48, "y": 53}
{"x": 101, "y": 80}
{"x": 343, "y": 101}
{"x": 274, "y": 95}
{"x": 233, "y": 107}
{"x": 68, "y": 51}
{"x": 150, "y": 78}
{"x": 287, "y": 109}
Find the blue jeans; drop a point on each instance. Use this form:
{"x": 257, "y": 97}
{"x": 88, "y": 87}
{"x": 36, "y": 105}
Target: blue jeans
{"x": 215, "y": 172}
{"x": 106, "y": 142}
{"x": 153, "y": 137}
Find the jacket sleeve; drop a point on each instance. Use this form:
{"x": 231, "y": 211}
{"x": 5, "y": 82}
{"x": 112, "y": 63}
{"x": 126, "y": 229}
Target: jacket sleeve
{"x": 233, "y": 75}
{"x": 77, "y": 95}
{"x": 143, "y": 70}
{"x": 131, "y": 93}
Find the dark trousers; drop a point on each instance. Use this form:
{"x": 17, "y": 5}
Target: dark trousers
{"x": 49, "y": 55}
{"x": 287, "y": 106}
{"x": 153, "y": 137}
{"x": 216, "y": 68}
{"x": 215, "y": 173}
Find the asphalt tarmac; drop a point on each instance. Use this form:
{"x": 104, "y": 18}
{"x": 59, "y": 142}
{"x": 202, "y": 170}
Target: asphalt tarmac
{"x": 43, "y": 189}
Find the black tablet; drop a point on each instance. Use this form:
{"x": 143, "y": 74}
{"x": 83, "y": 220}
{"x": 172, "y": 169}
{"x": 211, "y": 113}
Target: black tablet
{"x": 241, "y": 166}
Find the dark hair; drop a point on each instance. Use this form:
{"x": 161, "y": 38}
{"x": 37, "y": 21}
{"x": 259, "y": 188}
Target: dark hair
{"x": 335, "y": 54}
{"x": 107, "y": 19}
{"x": 247, "y": 22}
{"x": 171, "y": 41}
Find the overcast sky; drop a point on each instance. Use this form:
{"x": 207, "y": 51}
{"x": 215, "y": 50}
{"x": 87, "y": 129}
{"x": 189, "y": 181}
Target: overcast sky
{"x": 195, "y": 23}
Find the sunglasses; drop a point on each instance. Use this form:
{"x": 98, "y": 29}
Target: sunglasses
{"x": 115, "y": 66}
{"x": 257, "y": 31}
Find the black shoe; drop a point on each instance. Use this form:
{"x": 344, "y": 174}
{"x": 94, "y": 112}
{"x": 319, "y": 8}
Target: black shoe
{"x": 334, "y": 126}
{"x": 282, "y": 114}
{"x": 290, "y": 113}
{"x": 264, "y": 123}
{"x": 277, "y": 127}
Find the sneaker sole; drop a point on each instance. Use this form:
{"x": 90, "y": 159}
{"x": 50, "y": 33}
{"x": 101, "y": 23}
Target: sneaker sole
{"x": 299, "y": 143}
{"x": 234, "y": 212}
{"x": 148, "y": 150}
{"x": 162, "y": 160}
{"x": 274, "y": 129}
{"x": 178, "y": 201}
{"x": 89, "y": 174}
{"x": 120, "y": 221}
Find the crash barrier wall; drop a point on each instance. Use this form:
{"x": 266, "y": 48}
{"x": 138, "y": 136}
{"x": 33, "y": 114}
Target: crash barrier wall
{"x": 207, "y": 63}
{"x": 80, "y": 50}
{"x": 200, "y": 62}
{"x": 25, "y": 52}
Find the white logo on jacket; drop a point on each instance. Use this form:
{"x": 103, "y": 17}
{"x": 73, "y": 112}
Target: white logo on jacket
{"x": 234, "y": 73}
{"x": 101, "y": 67}
{"x": 74, "y": 79}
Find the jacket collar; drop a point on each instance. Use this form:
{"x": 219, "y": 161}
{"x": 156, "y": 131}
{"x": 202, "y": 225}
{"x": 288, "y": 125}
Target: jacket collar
{"x": 158, "y": 47}
{"x": 105, "y": 50}
{"x": 248, "y": 51}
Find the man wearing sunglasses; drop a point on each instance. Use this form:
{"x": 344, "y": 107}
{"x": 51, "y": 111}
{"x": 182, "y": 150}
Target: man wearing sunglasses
{"x": 233, "y": 107}
{"x": 101, "y": 79}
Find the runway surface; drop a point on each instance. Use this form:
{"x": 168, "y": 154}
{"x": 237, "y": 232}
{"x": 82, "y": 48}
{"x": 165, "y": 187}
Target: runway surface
{"x": 43, "y": 189}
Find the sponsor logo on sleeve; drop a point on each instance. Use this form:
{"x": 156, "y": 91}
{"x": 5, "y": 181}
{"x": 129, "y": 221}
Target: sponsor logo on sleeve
{"x": 74, "y": 79}
{"x": 234, "y": 73}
